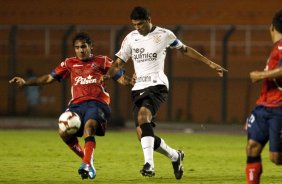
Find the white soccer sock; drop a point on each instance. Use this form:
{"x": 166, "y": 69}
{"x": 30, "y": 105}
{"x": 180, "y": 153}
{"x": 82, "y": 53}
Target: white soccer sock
{"x": 167, "y": 151}
{"x": 148, "y": 149}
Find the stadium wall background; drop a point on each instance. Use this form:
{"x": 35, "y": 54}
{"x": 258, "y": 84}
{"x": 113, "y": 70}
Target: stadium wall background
{"x": 196, "y": 92}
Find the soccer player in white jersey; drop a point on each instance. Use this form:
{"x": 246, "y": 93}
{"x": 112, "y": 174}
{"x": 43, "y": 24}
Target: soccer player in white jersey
{"x": 146, "y": 46}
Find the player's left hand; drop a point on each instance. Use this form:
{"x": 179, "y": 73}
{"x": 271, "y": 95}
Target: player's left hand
{"x": 219, "y": 69}
{"x": 18, "y": 80}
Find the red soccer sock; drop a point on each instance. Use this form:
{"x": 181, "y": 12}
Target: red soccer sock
{"x": 75, "y": 147}
{"x": 253, "y": 172}
{"x": 89, "y": 147}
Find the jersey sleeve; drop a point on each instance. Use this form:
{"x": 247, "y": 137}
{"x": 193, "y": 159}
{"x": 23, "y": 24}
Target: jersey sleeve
{"x": 61, "y": 71}
{"x": 107, "y": 64}
{"x": 173, "y": 42}
{"x": 125, "y": 51}
{"x": 275, "y": 59}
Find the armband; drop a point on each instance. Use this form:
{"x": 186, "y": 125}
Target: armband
{"x": 176, "y": 44}
{"x": 118, "y": 74}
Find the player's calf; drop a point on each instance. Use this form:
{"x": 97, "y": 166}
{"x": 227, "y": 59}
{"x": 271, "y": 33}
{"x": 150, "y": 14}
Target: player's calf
{"x": 253, "y": 170}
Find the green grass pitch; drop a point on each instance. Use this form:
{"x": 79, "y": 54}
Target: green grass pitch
{"x": 39, "y": 157}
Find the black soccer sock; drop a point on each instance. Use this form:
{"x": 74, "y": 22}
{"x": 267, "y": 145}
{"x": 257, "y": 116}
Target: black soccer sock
{"x": 253, "y": 159}
{"x": 89, "y": 138}
{"x": 157, "y": 142}
{"x": 147, "y": 130}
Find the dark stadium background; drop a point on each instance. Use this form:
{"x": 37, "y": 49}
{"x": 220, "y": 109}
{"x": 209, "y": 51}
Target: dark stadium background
{"x": 36, "y": 34}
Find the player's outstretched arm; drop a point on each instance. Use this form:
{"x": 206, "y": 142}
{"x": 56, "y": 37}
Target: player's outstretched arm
{"x": 42, "y": 80}
{"x": 270, "y": 74}
{"x": 199, "y": 57}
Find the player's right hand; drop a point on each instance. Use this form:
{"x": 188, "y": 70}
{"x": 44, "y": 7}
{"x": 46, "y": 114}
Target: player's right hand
{"x": 17, "y": 80}
{"x": 104, "y": 78}
{"x": 133, "y": 79}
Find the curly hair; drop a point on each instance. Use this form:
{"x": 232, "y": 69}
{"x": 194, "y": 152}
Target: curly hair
{"x": 82, "y": 36}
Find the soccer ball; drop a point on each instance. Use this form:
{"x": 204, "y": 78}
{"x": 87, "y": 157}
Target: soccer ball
{"x": 69, "y": 122}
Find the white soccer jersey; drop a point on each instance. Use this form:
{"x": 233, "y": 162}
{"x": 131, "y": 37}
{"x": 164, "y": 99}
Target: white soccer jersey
{"x": 148, "y": 55}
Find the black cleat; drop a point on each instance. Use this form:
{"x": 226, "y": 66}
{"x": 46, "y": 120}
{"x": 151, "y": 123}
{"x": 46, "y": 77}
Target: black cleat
{"x": 177, "y": 165}
{"x": 147, "y": 170}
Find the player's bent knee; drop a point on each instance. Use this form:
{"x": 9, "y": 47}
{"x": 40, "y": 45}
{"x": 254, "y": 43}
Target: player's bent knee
{"x": 276, "y": 158}
{"x": 276, "y": 161}
{"x": 144, "y": 116}
{"x": 253, "y": 148}
{"x": 64, "y": 136}
{"x": 142, "y": 120}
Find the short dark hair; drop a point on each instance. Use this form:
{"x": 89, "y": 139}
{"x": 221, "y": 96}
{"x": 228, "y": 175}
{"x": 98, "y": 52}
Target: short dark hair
{"x": 82, "y": 36}
{"x": 140, "y": 13}
{"x": 277, "y": 21}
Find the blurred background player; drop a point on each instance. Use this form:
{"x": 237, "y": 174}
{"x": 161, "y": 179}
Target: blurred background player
{"x": 89, "y": 98}
{"x": 32, "y": 94}
{"x": 147, "y": 47}
{"x": 265, "y": 122}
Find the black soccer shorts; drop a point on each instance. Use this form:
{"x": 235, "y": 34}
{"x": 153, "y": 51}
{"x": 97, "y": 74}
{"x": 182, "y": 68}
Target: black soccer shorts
{"x": 151, "y": 98}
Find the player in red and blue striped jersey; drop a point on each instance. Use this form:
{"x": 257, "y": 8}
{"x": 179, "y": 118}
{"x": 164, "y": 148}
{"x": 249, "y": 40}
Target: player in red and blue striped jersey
{"x": 265, "y": 122}
{"x": 89, "y": 97}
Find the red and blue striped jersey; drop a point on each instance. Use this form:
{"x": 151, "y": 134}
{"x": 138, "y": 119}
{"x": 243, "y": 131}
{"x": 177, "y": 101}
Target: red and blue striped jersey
{"x": 271, "y": 92}
{"x": 85, "y": 78}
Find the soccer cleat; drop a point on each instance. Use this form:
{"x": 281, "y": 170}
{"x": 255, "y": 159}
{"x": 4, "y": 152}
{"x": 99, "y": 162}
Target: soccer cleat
{"x": 83, "y": 171}
{"x": 147, "y": 170}
{"x": 177, "y": 165}
{"x": 92, "y": 173}
{"x": 87, "y": 171}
